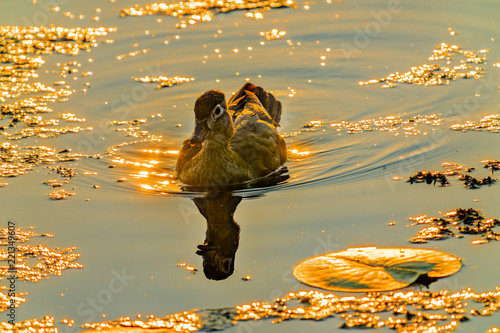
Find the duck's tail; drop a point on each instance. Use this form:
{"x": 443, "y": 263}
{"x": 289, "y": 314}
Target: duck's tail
{"x": 268, "y": 101}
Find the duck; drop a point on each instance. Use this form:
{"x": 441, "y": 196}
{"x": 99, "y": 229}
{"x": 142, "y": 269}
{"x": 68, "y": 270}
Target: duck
{"x": 234, "y": 142}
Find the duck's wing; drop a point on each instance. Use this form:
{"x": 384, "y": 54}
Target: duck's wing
{"x": 250, "y": 95}
{"x": 258, "y": 143}
{"x": 185, "y": 155}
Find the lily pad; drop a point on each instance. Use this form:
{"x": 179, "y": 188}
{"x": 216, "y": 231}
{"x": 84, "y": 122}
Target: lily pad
{"x": 374, "y": 269}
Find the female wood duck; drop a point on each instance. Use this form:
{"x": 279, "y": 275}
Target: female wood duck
{"x": 232, "y": 144}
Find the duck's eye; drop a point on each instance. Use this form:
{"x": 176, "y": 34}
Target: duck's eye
{"x": 217, "y": 110}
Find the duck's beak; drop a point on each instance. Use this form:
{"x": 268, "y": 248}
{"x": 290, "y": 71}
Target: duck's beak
{"x": 199, "y": 134}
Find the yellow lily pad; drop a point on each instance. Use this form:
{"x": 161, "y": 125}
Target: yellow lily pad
{"x": 374, "y": 269}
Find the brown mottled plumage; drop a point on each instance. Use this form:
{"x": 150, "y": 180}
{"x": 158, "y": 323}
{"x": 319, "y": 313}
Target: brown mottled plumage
{"x": 233, "y": 144}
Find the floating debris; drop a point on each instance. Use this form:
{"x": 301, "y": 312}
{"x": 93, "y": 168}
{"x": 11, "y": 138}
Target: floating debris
{"x": 412, "y": 311}
{"x": 164, "y": 81}
{"x": 191, "y": 12}
{"x": 60, "y": 194}
{"x": 456, "y": 224}
{"x": 273, "y": 34}
{"x": 246, "y": 278}
{"x": 132, "y": 54}
{"x": 494, "y": 165}
{"x": 489, "y": 123}
{"x": 429, "y": 178}
{"x": 433, "y": 74}
{"x": 67, "y": 172}
{"x": 453, "y": 169}
{"x": 472, "y": 183}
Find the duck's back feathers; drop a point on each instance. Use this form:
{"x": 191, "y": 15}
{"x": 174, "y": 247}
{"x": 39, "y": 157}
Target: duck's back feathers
{"x": 256, "y": 114}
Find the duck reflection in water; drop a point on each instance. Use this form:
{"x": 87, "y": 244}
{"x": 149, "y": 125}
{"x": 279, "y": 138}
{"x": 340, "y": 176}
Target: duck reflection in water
{"x": 223, "y": 233}
{"x": 222, "y": 237}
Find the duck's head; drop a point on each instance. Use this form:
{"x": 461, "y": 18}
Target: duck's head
{"x": 212, "y": 121}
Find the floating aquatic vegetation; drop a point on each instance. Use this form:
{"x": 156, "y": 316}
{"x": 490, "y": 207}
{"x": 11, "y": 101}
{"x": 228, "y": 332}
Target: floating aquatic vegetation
{"x": 132, "y": 54}
{"x": 453, "y": 169}
{"x": 494, "y": 165}
{"x": 489, "y": 123}
{"x": 67, "y": 172}
{"x": 52, "y": 262}
{"x": 471, "y": 182}
{"x": 433, "y": 74}
{"x": 392, "y": 124}
{"x": 456, "y": 223}
{"x": 163, "y": 81}
{"x": 429, "y": 178}
{"x": 374, "y": 269}
{"x": 273, "y": 34}
{"x": 413, "y": 311}
{"x": 191, "y": 12}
